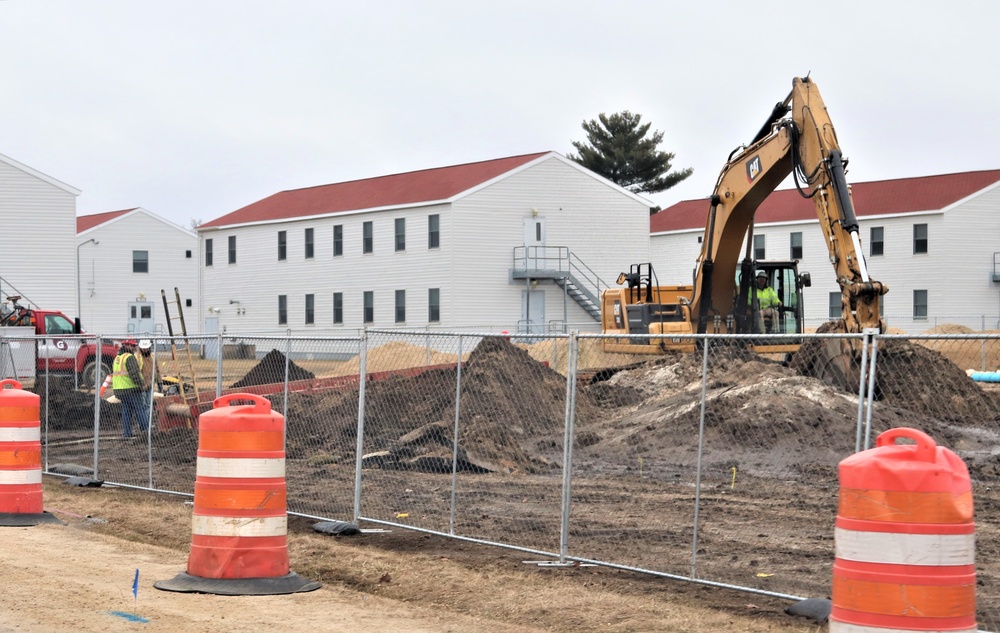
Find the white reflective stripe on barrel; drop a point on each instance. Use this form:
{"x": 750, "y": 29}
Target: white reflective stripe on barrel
{"x": 843, "y": 627}
{"x": 17, "y": 477}
{"x": 20, "y": 434}
{"x": 239, "y": 526}
{"x": 241, "y": 468}
{"x": 905, "y": 549}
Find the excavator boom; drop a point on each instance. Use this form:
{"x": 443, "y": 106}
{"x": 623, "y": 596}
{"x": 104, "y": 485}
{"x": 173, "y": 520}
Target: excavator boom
{"x": 798, "y": 138}
{"x": 803, "y": 143}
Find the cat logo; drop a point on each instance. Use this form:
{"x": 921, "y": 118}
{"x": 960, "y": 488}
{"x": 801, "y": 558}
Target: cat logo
{"x": 753, "y": 168}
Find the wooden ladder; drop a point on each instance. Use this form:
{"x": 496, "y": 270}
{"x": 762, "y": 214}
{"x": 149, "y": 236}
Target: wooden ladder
{"x": 188, "y": 398}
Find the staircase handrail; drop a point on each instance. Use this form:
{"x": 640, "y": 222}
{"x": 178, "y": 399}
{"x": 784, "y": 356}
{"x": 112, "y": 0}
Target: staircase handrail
{"x": 4, "y": 294}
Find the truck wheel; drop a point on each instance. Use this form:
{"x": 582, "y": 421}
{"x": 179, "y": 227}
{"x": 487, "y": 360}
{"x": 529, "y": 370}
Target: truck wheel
{"x": 88, "y": 377}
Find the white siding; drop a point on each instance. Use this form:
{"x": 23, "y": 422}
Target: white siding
{"x": 970, "y": 239}
{"x": 607, "y": 228}
{"x": 107, "y": 283}
{"x": 37, "y": 253}
{"x": 956, "y": 271}
{"x": 258, "y": 277}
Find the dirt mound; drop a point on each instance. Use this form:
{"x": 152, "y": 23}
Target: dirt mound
{"x": 509, "y": 402}
{"x": 68, "y": 408}
{"x": 950, "y": 328}
{"x": 512, "y": 415}
{"x": 397, "y": 355}
{"x": 914, "y": 377}
{"x": 911, "y": 376}
{"x": 271, "y": 369}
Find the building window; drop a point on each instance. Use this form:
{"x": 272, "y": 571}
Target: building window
{"x": 309, "y": 244}
{"x": 835, "y": 310}
{"x": 400, "y": 306}
{"x": 282, "y": 309}
{"x": 187, "y": 254}
{"x": 876, "y": 241}
{"x": 310, "y": 309}
{"x": 400, "y": 234}
{"x": 338, "y": 240}
{"x": 140, "y": 261}
{"x": 795, "y": 245}
{"x": 919, "y": 238}
{"x": 282, "y": 246}
{"x": 208, "y": 252}
{"x": 232, "y": 249}
{"x": 338, "y": 307}
{"x": 367, "y": 241}
{"x": 758, "y": 247}
{"x": 920, "y": 304}
{"x": 434, "y": 231}
{"x": 369, "y": 307}
{"x": 434, "y": 305}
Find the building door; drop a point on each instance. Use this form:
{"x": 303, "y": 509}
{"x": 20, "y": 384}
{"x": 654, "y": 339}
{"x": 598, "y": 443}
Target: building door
{"x": 532, "y": 312}
{"x": 141, "y": 317}
{"x": 534, "y": 242}
{"x": 211, "y": 345}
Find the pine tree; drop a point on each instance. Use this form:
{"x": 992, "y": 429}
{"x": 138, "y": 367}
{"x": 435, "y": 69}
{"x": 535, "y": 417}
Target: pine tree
{"x": 619, "y": 150}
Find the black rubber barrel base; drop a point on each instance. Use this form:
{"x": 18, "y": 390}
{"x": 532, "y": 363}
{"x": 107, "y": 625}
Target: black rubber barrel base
{"x": 14, "y": 519}
{"x": 185, "y": 582}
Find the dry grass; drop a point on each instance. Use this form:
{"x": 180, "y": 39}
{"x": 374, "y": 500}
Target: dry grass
{"x": 451, "y": 576}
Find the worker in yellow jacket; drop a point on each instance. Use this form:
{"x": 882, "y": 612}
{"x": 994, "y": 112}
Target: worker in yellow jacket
{"x": 768, "y": 303}
{"x": 127, "y": 382}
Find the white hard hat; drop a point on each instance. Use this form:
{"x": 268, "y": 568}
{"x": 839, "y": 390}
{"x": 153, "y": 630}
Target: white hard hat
{"x": 761, "y": 273}
{"x": 145, "y": 344}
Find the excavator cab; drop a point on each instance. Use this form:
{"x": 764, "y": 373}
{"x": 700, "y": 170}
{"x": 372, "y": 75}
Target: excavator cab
{"x": 787, "y": 318}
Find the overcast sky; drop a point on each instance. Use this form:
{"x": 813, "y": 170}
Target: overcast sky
{"x": 192, "y": 109}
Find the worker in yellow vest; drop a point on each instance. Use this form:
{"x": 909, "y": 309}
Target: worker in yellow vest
{"x": 128, "y": 385}
{"x": 768, "y": 302}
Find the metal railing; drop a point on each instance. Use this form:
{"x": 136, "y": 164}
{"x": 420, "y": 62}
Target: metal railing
{"x": 558, "y": 262}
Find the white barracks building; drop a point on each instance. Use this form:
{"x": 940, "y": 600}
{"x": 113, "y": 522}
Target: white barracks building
{"x": 934, "y": 240}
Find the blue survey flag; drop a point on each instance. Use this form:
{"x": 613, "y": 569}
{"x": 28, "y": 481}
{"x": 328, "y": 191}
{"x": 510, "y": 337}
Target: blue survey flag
{"x": 135, "y": 584}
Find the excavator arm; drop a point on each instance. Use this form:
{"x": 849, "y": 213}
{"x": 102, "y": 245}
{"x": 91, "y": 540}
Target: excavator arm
{"x": 798, "y": 137}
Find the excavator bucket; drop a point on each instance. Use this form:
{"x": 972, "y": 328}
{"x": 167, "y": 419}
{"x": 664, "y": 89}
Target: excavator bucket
{"x": 835, "y": 361}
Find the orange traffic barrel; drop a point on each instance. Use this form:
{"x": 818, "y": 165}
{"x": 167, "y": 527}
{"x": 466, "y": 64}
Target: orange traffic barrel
{"x": 239, "y": 527}
{"x": 20, "y": 457}
{"x": 904, "y": 540}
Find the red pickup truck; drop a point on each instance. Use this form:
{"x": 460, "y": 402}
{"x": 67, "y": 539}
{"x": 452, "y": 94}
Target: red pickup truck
{"x": 62, "y": 350}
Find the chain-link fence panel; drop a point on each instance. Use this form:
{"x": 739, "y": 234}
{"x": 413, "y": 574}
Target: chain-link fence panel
{"x": 717, "y": 463}
{"x": 453, "y": 446}
{"x": 718, "y": 436}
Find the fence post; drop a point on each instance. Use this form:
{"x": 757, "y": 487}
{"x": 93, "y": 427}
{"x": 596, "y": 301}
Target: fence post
{"x": 571, "y": 361}
{"x": 98, "y": 380}
{"x": 218, "y": 365}
{"x": 45, "y": 462}
{"x": 454, "y": 442}
{"x": 865, "y": 341}
{"x": 871, "y": 387}
{"x": 701, "y": 444}
{"x": 363, "y": 371}
{"x": 288, "y": 355}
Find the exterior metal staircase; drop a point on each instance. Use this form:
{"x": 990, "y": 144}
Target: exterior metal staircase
{"x": 559, "y": 265}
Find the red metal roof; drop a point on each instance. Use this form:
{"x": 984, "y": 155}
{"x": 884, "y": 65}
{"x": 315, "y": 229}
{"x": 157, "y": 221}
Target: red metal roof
{"x": 85, "y": 222}
{"x": 881, "y": 197}
{"x": 413, "y": 187}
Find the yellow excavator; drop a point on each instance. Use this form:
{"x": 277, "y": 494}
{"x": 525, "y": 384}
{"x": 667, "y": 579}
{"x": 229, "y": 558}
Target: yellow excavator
{"x": 798, "y": 138}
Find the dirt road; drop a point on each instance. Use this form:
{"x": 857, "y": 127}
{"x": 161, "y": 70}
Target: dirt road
{"x": 59, "y": 578}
